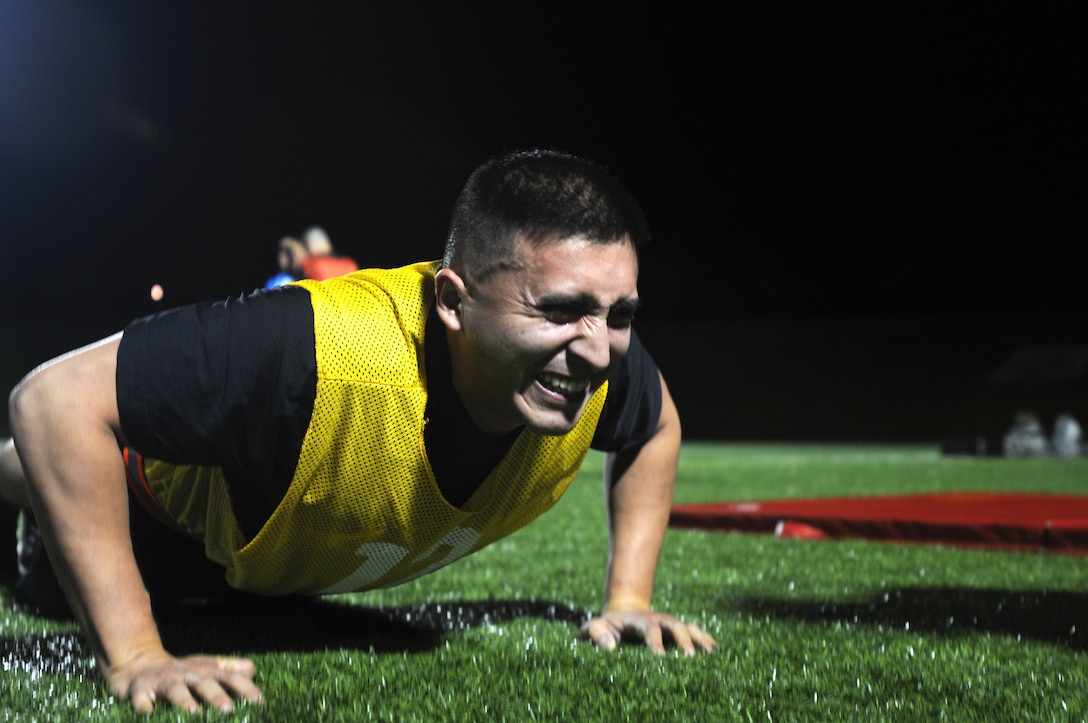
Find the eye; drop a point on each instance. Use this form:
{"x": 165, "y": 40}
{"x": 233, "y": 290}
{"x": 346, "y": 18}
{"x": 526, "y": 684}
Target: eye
{"x": 561, "y": 314}
{"x": 621, "y": 319}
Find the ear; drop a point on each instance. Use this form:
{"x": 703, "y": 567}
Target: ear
{"x": 449, "y": 290}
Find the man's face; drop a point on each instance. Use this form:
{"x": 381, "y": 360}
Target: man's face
{"x": 532, "y": 344}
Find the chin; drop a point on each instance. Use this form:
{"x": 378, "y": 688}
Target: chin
{"x": 551, "y": 430}
{"x": 553, "y": 425}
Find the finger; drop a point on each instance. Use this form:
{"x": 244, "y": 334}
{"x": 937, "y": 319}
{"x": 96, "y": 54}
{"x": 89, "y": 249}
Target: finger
{"x": 680, "y": 636}
{"x": 210, "y": 691}
{"x": 653, "y": 637}
{"x": 236, "y": 666}
{"x": 179, "y": 696}
{"x": 705, "y": 641}
{"x": 232, "y": 675}
{"x": 143, "y": 700}
{"x": 600, "y": 632}
{"x": 241, "y": 685}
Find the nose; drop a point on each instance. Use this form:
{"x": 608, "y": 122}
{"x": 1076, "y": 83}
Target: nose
{"x": 593, "y": 346}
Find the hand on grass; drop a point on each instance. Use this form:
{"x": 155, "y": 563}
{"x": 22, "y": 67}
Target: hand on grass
{"x": 613, "y": 626}
{"x": 184, "y": 682}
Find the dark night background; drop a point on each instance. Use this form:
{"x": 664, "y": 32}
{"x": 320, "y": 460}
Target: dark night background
{"x": 868, "y": 223}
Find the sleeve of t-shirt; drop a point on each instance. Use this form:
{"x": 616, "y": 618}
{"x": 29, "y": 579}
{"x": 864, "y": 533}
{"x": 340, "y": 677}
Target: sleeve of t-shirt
{"x": 633, "y": 406}
{"x": 228, "y": 384}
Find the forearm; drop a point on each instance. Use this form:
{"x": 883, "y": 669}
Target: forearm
{"x": 640, "y": 487}
{"x": 69, "y": 451}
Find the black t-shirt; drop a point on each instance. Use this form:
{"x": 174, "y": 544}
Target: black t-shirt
{"x": 232, "y": 384}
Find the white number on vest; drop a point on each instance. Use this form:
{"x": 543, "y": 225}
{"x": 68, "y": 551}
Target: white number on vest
{"x": 381, "y": 557}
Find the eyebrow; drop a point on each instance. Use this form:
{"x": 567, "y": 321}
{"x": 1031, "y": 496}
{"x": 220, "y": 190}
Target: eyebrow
{"x": 586, "y": 302}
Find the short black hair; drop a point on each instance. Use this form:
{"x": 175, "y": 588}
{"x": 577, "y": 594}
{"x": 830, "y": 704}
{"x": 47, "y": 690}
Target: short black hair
{"x": 538, "y": 195}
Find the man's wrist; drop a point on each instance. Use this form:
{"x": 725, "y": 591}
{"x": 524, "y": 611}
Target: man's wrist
{"x": 627, "y": 603}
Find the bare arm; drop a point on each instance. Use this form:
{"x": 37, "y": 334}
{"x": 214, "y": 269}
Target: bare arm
{"x": 66, "y": 426}
{"x": 640, "y": 486}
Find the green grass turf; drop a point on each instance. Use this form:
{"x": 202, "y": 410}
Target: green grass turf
{"x": 827, "y": 630}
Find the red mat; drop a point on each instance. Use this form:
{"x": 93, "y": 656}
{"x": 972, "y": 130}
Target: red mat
{"x": 1055, "y": 523}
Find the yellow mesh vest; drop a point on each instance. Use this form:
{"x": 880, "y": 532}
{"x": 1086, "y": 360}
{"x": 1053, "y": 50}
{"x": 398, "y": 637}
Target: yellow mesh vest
{"x": 363, "y": 509}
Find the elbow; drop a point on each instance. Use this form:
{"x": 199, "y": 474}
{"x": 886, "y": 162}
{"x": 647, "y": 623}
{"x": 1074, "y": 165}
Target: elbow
{"x": 35, "y": 401}
{"x": 26, "y": 404}
{"x": 74, "y": 393}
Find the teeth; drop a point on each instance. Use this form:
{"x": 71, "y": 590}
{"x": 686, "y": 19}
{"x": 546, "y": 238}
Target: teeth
{"x": 562, "y": 384}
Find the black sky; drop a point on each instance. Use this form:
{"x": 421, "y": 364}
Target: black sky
{"x": 880, "y": 162}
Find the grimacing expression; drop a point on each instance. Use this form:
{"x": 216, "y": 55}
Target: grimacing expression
{"x": 532, "y": 344}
